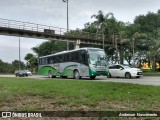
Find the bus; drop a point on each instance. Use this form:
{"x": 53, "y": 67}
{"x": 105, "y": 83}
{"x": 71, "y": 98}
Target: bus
{"x": 78, "y": 63}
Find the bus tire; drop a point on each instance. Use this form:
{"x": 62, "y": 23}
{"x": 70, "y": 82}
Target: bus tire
{"x": 63, "y": 76}
{"x": 92, "y": 77}
{"x": 76, "y": 74}
{"x": 53, "y": 76}
{"x": 49, "y": 74}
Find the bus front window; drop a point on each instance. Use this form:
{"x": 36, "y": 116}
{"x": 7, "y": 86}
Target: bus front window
{"x": 97, "y": 58}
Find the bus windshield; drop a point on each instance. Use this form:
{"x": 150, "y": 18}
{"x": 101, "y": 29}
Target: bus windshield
{"x": 97, "y": 58}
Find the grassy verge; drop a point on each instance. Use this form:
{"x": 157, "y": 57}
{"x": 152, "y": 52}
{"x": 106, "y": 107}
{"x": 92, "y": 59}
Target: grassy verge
{"x": 32, "y": 94}
{"x": 150, "y": 72}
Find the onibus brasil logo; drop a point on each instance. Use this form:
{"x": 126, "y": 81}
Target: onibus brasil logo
{"x": 21, "y": 114}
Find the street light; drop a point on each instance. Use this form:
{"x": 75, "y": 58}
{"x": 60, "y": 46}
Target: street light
{"x": 103, "y": 26}
{"x": 133, "y": 51}
{"x": 19, "y": 54}
{"x": 103, "y": 39}
{"x": 66, "y": 1}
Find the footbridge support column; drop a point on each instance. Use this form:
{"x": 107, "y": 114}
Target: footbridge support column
{"x": 77, "y": 44}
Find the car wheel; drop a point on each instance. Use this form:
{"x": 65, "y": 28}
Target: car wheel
{"x": 76, "y": 74}
{"x": 49, "y": 74}
{"x": 109, "y": 75}
{"x": 127, "y": 75}
{"x": 92, "y": 77}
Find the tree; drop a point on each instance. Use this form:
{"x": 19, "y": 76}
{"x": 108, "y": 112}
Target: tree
{"x": 101, "y": 21}
{"x": 32, "y": 62}
{"x": 150, "y": 25}
{"x": 46, "y": 48}
{"x": 15, "y": 65}
{"x": 108, "y": 26}
{"x": 49, "y": 47}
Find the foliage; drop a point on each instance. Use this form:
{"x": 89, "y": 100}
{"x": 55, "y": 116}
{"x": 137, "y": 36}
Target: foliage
{"x": 49, "y": 47}
{"x": 10, "y": 67}
{"x": 32, "y": 62}
{"x": 150, "y": 25}
{"x": 15, "y": 64}
{"x": 137, "y": 38}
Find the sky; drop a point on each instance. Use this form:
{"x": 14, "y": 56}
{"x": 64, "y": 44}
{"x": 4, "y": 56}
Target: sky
{"x": 53, "y": 13}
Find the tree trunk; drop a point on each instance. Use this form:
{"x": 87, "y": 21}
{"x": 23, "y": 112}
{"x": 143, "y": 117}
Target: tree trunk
{"x": 154, "y": 64}
{"x": 121, "y": 55}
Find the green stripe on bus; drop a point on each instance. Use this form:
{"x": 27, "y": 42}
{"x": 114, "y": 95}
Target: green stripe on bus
{"x": 67, "y": 72}
{"x": 44, "y": 70}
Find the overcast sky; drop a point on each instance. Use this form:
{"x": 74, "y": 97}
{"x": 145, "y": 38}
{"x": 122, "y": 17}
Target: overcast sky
{"x": 53, "y": 13}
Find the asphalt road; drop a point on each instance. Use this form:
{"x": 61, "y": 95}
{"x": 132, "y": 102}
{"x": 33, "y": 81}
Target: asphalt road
{"x": 145, "y": 80}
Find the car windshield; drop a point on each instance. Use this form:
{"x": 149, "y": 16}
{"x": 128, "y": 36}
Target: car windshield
{"x": 127, "y": 66}
{"x": 97, "y": 57}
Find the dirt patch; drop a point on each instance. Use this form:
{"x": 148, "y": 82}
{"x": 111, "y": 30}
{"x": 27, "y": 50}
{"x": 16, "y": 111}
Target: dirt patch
{"x": 34, "y": 103}
{"x": 39, "y": 103}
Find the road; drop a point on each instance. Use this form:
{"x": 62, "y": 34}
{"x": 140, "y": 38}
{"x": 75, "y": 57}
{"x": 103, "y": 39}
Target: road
{"x": 145, "y": 80}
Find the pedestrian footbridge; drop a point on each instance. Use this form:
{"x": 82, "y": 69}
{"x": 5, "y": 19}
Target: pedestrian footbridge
{"x": 33, "y": 30}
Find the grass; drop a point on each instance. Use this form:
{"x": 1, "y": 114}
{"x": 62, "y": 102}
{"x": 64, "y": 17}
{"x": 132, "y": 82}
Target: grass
{"x": 112, "y": 96}
{"x": 151, "y": 72}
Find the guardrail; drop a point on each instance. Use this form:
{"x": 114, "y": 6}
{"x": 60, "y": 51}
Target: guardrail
{"x": 47, "y": 29}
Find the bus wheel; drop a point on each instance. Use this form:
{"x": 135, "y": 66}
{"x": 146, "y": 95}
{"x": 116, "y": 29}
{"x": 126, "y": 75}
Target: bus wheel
{"x": 92, "y": 77}
{"x": 76, "y": 74}
{"x": 53, "y": 76}
{"x": 49, "y": 74}
{"x": 63, "y": 76}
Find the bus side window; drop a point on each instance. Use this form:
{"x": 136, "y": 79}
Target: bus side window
{"x": 56, "y": 59}
{"x": 53, "y": 59}
{"x": 83, "y": 57}
{"x": 61, "y": 58}
{"x": 72, "y": 56}
{"x": 48, "y": 60}
{"x": 66, "y": 57}
{"x": 43, "y": 61}
{"x": 39, "y": 61}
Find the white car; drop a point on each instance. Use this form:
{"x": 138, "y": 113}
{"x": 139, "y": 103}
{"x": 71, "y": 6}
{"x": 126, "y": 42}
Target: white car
{"x": 124, "y": 71}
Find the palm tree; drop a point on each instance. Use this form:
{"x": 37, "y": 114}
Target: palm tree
{"x": 106, "y": 25}
{"x": 154, "y": 53}
{"x": 102, "y": 20}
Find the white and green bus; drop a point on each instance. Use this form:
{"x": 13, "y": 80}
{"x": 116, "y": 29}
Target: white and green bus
{"x": 83, "y": 62}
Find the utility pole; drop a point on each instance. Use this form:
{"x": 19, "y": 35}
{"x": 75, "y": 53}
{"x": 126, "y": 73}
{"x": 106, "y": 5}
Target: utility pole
{"x": 19, "y": 54}
{"x": 133, "y": 52}
{"x": 66, "y": 1}
{"x": 103, "y": 39}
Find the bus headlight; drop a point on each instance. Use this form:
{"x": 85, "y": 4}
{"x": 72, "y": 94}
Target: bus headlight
{"x": 93, "y": 66}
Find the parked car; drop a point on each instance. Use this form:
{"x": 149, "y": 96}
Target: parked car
{"x": 124, "y": 71}
{"x": 23, "y": 73}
